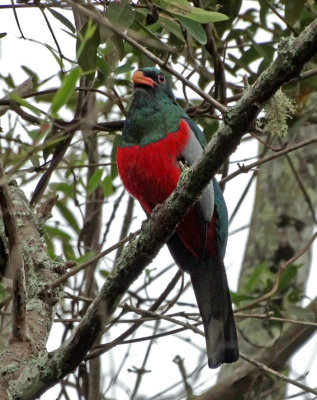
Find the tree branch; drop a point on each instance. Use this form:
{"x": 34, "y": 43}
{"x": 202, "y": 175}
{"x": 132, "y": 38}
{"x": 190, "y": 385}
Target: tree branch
{"x": 40, "y": 270}
{"x": 15, "y": 267}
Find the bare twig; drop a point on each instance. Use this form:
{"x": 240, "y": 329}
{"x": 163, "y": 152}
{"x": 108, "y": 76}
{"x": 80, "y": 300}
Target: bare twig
{"x": 247, "y": 168}
{"x": 92, "y": 260}
{"x": 17, "y": 19}
{"x": 290, "y": 27}
{"x": 138, "y": 323}
{"x": 302, "y": 187}
{"x": 54, "y": 38}
{"x": 180, "y": 363}
{"x": 278, "y": 375}
{"x": 271, "y": 318}
{"x": 141, "y": 371}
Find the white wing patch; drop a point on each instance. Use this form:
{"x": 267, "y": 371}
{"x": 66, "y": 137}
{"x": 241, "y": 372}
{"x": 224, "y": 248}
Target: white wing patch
{"x": 191, "y": 153}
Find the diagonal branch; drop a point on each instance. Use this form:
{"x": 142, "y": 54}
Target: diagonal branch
{"x": 293, "y": 55}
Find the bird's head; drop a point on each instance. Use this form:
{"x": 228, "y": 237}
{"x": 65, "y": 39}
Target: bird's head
{"x": 153, "y": 80}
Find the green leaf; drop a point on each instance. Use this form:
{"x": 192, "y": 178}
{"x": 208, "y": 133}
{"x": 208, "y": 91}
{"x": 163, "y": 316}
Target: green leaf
{"x": 2, "y": 293}
{"x": 107, "y": 187}
{"x": 94, "y": 181}
{"x": 104, "y": 273}
{"x": 3, "y": 34}
{"x": 13, "y": 96}
{"x": 238, "y": 298}
{"x": 231, "y": 8}
{"x": 65, "y": 92}
{"x": 205, "y": 17}
{"x": 32, "y": 74}
{"x": 295, "y": 295}
{"x": 122, "y": 69}
{"x": 68, "y": 215}
{"x": 186, "y": 10}
{"x": 63, "y": 187}
{"x": 51, "y": 50}
{"x": 259, "y": 48}
{"x": 103, "y": 67}
{"x": 87, "y": 46}
{"x": 293, "y": 10}
{"x": 288, "y": 276}
{"x": 257, "y": 277}
{"x": 195, "y": 29}
{"x": 63, "y": 20}
{"x": 85, "y": 257}
{"x": 68, "y": 251}
{"x": 51, "y": 142}
{"x": 54, "y": 232}
{"x": 120, "y": 14}
{"x": 171, "y": 26}
{"x": 35, "y": 160}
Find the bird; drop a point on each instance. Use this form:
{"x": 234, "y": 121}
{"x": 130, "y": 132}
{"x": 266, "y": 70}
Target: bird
{"x": 158, "y": 138}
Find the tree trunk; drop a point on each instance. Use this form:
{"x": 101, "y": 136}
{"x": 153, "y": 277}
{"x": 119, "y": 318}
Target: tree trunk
{"x": 282, "y": 223}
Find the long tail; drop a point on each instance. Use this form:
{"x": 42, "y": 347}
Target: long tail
{"x": 210, "y": 285}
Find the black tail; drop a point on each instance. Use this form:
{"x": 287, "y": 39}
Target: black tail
{"x": 211, "y": 289}
{"x": 210, "y": 285}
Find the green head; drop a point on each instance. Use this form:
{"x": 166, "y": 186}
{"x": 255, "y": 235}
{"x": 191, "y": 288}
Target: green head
{"x": 152, "y": 80}
{"x": 153, "y": 112}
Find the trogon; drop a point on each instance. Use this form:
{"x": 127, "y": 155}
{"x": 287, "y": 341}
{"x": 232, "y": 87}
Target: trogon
{"x": 157, "y": 136}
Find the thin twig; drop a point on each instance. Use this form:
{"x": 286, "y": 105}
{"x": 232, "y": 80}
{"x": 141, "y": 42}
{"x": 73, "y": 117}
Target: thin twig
{"x": 247, "y": 168}
{"x": 91, "y": 260}
{"x": 17, "y": 19}
{"x": 280, "y": 16}
{"x": 54, "y": 38}
{"x": 242, "y": 197}
{"x": 155, "y": 315}
{"x": 141, "y": 371}
{"x": 302, "y": 187}
{"x": 104, "y": 348}
{"x": 180, "y": 363}
{"x": 271, "y": 318}
{"x": 278, "y": 375}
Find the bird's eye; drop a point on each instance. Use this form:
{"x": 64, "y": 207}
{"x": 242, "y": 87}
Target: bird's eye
{"x": 161, "y": 78}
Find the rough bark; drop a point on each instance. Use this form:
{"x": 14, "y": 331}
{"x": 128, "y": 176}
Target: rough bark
{"x": 40, "y": 271}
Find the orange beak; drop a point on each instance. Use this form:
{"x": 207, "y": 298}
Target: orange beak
{"x": 140, "y": 79}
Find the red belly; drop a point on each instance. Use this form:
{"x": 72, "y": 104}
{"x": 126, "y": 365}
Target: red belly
{"x": 150, "y": 173}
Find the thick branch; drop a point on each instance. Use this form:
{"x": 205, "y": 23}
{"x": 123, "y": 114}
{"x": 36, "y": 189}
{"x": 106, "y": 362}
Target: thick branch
{"x": 40, "y": 270}
{"x": 293, "y": 54}
{"x": 15, "y": 267}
